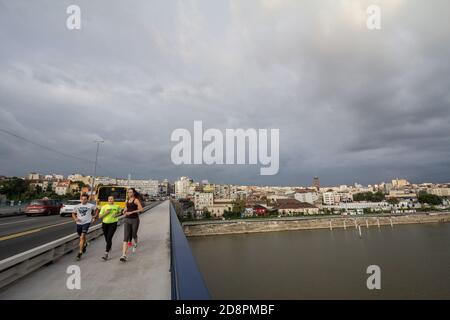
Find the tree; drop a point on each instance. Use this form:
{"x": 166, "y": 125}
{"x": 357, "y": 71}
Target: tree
{"x": 14, "y": 188}
{"x": 430, "y": 199}
{"x": 206, "y": 214}
{"x": 369, "y": 196}
{"x": 238, "y": 207}
{"x": 393, "y": 201}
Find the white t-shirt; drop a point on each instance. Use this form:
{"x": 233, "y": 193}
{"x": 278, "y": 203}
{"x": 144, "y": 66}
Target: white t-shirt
{"x": 84, "y": 212}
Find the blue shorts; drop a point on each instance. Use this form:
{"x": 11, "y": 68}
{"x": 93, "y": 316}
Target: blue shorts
{"x": 82, "y": 228}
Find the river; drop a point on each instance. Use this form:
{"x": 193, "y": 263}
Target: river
{"x": 414, "y": 261}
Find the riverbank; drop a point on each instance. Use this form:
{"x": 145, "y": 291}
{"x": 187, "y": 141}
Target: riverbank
{"x": 249, "y": 226}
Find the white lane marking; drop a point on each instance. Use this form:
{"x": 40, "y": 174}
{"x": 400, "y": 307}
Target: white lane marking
{"x": 4, "y": 224}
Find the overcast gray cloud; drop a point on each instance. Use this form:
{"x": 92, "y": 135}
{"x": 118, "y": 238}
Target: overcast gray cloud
{"x": 351, "y": 104}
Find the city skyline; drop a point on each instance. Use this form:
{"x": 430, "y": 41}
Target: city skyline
{"x": 350, "y": 103}
{"x": 207, "y": 181}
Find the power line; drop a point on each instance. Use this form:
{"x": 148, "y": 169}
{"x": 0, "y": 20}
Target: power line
{"x": 45, "y": 147}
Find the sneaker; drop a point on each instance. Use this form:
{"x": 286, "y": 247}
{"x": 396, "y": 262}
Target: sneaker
{"x": 105, "y": 256}
{"x": 84, "y": 247}
{"x": 123, "y": 258}
{"x": 79, "y": 256}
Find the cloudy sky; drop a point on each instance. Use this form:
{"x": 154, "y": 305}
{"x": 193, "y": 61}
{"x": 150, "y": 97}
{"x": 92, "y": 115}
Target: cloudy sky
{"x": 352, "y": 104}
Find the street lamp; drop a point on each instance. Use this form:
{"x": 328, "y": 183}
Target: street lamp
{"x": 98, "y": 141}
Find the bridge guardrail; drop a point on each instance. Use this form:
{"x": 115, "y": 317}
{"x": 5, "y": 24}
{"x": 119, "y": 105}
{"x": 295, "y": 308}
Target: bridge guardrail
{"x": 19, "y": 265}
{"x": 186, "y": 279}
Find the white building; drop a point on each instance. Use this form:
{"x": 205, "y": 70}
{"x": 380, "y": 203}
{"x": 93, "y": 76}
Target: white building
{"x": 150, "y": 187}
{"x": 441, "y": 192}
{"x": 79, "y": 177}
{"x": 106, "y": 181}
{"x": 307, "y": 195}
{"x": 376, "y": 206}
{"x": 328, "y": 198}
{"x": 34, "y": 176}
{"x": 62, "y": 188}
{"x": 182, "y": 187}
{"x": 203, "y": 200}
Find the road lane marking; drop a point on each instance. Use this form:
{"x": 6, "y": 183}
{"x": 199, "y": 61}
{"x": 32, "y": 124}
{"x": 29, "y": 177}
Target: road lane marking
{"x": 23, "y": 233}
{"x": 4, "y": 224}
{"x": 19, "y": 234}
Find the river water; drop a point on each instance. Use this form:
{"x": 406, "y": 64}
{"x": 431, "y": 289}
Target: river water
{"x": 414, "y": 261}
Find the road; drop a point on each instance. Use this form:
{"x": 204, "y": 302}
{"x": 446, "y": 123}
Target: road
{"x": 22, "y": 233}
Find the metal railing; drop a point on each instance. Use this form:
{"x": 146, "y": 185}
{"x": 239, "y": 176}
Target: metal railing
{"x": 186, "y": 279}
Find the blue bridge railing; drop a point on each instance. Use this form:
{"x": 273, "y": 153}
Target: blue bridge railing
{"x": 186, "y": 278}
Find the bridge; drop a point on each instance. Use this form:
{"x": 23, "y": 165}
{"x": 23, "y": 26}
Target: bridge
{"x": 163, "y": 266}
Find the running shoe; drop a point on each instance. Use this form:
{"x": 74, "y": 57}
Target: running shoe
{"x": 134, "y": 247}
{"x": 123, "y": 258}
{"x": 105, "y": 256}
{"x": 79, "y": 256}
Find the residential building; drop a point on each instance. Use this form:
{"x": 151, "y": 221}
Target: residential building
{"x": 220, "y": 206}
{"x": 310, "y": 196}
{"x": 105, "y": 181}
{"x": 328, "y": 198}
{"x": 164, "y": 188}
{"x": 295, "y": 207}
{"x": 441, "y": 192}
{"x": 62, "y": 188}
{"x": 33, "y": 176}
{"x": 148, "y": 187}
{"x": 203, "y": 200}
{"x": 399, "y": 183}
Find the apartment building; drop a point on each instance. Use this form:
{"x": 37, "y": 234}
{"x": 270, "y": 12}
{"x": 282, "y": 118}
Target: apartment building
{"x": 306, "y": 195}
{"x": 182, "y": 187}
{"x": 441, "y": 192}
{"x": 150, "y": 187}
{"x": 203, "y": 200}
{"x": 328, "y": 198}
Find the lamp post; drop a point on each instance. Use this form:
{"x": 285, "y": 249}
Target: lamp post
{"x": 95, "y": 166}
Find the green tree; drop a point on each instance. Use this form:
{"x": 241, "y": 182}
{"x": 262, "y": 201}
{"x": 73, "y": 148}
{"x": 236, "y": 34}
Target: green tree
{"x": 430, "y": 199}
{"x": 206, "y": 214}
{"x": 238, "y": 207}
{"x": 369, "y": 196}
{"x": 392, "y": 200}
{"x": 14, "y": 188}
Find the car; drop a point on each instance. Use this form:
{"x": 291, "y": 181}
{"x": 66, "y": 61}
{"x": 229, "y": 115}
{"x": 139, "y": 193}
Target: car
{"x": 43, "y": 207}
{"x": 69, "y": 206}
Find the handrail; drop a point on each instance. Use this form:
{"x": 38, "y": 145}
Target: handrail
{"x": 186, "y": 279}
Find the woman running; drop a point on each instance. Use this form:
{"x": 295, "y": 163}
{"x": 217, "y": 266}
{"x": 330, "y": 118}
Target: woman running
{"x": 110, "y": 216}
{"x": 131, "y": 222}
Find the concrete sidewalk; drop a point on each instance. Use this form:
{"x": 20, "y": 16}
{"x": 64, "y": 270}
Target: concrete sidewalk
{"x": 145, "y": 275}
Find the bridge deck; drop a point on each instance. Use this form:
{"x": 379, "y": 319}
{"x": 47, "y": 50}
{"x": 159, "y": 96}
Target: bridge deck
{"x": 145, "y": 275}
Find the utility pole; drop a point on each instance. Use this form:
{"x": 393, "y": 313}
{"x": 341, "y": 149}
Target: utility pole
{"x": 95, "y": 167}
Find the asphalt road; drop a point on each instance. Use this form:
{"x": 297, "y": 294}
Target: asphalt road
{"x": 22, "y": 233}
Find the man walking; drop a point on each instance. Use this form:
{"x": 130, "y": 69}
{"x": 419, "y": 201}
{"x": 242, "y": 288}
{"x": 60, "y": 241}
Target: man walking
{"x": 83, "y": 217}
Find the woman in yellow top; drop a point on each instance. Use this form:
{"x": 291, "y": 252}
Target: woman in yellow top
{"x": 110, "y": 216}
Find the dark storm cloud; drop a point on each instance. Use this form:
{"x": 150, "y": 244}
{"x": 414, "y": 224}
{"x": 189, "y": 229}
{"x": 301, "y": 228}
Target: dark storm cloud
{"x": 351, "y": 104}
